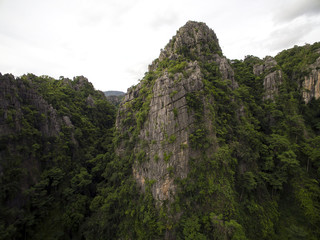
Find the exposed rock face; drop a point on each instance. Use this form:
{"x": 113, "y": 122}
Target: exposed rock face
{"x": 19, "y": 101}
{"x": 271, "y": 84}
{"x": 167, "y": 129}
{"x": 272, "y": 77}
{"x": 15, "y": 92}
{"x": 193, "y": 39}
{"x": 164, "y": 137}
{"x": 311, "y": 83}
{"x": 196, "y": 41}
{"x": 268, "y": 64}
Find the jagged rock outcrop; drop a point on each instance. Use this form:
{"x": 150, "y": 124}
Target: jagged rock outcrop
{"x": 24, "y": 115}
{"x": 164, "y": 138}
{"x": 311, "y": 83}
{"x": 167, "y": 128}
{"x": 196, "y": 41}
{"x": 272, "y": 77}
{"x": 193, "y": 40}
{"x": 16, "y": 93}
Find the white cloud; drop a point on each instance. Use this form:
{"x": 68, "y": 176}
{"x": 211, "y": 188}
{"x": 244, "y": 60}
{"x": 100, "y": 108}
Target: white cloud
{"x": 290, "y": 34}
{"x": 113, "y": 42}
{"x": 289, "y": 10}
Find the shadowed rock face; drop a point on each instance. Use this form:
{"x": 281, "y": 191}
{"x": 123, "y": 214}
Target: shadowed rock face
{"x": 17, "y": 98}
{"x": 311, "y": 83}
{"x": 273, "y": 77}
{"x": 164, "y": 137}
{"x": 16, "y": 93}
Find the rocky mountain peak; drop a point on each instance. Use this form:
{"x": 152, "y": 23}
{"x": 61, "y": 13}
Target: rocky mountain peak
{"x": 157, "y": 118}
{"x": 195, "y": 40}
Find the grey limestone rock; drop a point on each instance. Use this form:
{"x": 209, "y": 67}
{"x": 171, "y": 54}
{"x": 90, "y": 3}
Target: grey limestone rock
{"x": 13, "y": 93}
{"x": 164, "y": 136}
{"x": 272, "y": 79}
{"x": 311, "y": 83}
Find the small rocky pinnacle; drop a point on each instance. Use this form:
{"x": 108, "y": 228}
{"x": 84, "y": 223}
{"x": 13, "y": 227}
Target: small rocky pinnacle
{"x": 193, "y": 40}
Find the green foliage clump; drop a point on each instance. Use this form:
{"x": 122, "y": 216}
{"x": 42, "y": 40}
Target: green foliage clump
{"x": 172, "y": 138}
{"x": 295, "y": 61}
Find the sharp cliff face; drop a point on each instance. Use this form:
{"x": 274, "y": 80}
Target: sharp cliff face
{"x": 311, "y": 82}
{"x": 162, "y": 146}
{"x": 301, "y": 65}
{"x": 272, "y": 76}
{"x": 25, "y": 115}
{"x": 307, "y": 78}
{"x": 48, "y": 129}
{"x": 166, "y": 129}
{"x": 13, "y": 96}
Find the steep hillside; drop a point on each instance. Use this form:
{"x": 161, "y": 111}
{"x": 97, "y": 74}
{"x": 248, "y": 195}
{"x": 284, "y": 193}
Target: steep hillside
{"x": 219, "y": 148}
{"x": 53, "y": 138}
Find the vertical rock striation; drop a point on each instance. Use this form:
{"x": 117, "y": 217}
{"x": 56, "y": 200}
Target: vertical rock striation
{"x": 311, "y": 83}
{"x": 15, "y": 94}
{"x": 161, "y": 145}
{"x": 272, "y": 76}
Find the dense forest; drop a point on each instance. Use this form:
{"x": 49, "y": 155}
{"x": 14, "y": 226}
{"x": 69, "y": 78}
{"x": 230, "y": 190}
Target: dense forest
{"x": 202, "y": 148}
{"x": 56, "y": 139}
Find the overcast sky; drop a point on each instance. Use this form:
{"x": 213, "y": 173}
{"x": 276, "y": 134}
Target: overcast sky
{"x": 112, "y": 42}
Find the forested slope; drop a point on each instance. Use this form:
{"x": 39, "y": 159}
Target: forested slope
{"x": 55, "y": 140}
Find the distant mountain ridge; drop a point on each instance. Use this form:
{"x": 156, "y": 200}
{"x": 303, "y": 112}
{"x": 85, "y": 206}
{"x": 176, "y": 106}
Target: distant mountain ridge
{"x": 115, "y": 97}
{"x": 113, "y": 93}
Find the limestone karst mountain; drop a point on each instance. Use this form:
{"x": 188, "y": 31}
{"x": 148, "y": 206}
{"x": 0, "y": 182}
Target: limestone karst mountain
{"x": 204, "y": 147}
{"x": 191, "y": 130}
{"x": 174, "y": 81}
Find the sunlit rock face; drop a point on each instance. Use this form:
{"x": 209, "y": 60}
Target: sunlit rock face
{"x": 272, "y": 79}
{"x": 311, "y": 83}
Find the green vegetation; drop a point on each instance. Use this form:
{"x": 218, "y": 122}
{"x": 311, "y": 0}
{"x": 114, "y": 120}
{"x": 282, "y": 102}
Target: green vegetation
{"x": 49, "y": 177}
{"x": 294, "y": 62}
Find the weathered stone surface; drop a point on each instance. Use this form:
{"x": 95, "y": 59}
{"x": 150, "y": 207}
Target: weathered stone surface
{"x": 268, "y": 63}
{"x": 165, "y": 155}
{"x": 226, "y": 70}
{"x": 195, "y": 38}
{"x": 311, "y": 83}
{"x": 271, "y": 84}
{"x": 273, "y": 77}
{"x": 13, "y": 92}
